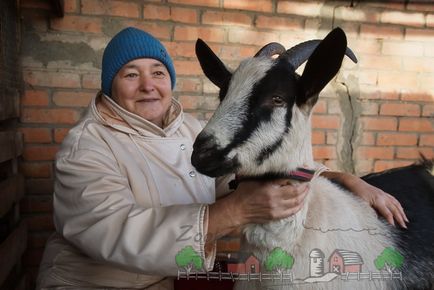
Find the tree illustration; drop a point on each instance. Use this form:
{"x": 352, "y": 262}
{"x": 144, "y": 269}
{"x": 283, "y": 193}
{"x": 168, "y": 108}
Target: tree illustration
{"x": 188, "y": 258}
{"x": 389, "y": 260}
{"x": 279, "y": 260}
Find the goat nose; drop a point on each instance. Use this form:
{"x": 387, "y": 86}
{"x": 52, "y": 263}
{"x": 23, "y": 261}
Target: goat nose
{"x": 203, "y": 143}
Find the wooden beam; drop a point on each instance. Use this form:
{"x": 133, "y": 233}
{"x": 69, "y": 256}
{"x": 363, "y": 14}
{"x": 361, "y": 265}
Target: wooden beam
{"x": 12, "y": 249}
{"x": 58, "y": 7}
{"x": 11, "y": 191}
{"x": 9, "y": 104}
{"x": 11, "y": 144}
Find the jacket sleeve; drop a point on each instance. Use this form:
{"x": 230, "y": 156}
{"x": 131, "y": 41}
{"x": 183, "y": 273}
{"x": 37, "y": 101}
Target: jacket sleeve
{"x": 95, "y": 210}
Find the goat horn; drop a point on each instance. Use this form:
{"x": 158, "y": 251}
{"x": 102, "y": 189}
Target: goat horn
{"x": 301, "y": 52}
{"x": 271, "y": 49}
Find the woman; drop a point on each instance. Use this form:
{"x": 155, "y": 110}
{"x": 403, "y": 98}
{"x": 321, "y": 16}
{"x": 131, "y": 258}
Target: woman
{"x": 127, "y": 199}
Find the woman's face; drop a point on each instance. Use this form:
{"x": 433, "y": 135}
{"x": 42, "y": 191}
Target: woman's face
{"x": 143, "y": 87}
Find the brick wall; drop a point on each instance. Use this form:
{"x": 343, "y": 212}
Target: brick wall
{"x": 376, "y": 115}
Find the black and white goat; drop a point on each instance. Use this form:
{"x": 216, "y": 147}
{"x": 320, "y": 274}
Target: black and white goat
{"x": 262, "y": 128}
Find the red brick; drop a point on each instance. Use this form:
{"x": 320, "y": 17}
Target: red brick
{"x": 365, "y": 46}
{"x": 72, "y": 99}
{"x": 60, "y": 134}
{"x": 318, "y": 137}
{"x": 186, "y": 67}
{"x": 205, "y": 33}
{"x": 324, "y": 152}
{"x": 379, "y": 123}
{"x": 251, "y": 37}
{"x": 320, "y": 107}
{"x": 374, "y": 62}
{"x": 353, "y": 14}
{"x": 255, "y": 5}
{"x": 332, "y": 138}
{"x": 188, "y": 85}
{"x": 415, "y": 6}
{"x": 180, "y": 49}
{"x": 40, "y": 153}
{"x": 397, "y": 80}
{"x": 108, "y": 7}
{"x": 414, "y": 153}
{"x": 416, "y": 124}
{"x": 367, "y": 138}
{"x": 381, "y": 165}
{"x": 403, "y": 139}
{"x": 273, "y": 22}
{"x": 190, "y": 102}
{"x": 50, "y": 116}
{"x": 375, "y": 152}
{"x": 37, "y": 204}
{"x": 426, "y": 82}
{"x": 418, "y": 65}
{"x": 402, "y": 48}
{"x": 381, "y": 32}
{"x": 184, "y": 15}
{"x": 403, "y": 18}
{"x": 312, "y": 9}
{"x": 226, "y": 18}
{"x": 151, "y": 11}
{"x": 40, "y": 222}
{"x": 426, "y": 140}
{"x": 209, "y": 3}
{"x": 325, "y": 121}
{"x": 369, "y": 108}
{"x": 368, "y": 77}
{"x": 70, "y": 6}
{"x": 76, "y": 24}
{"x": 423, "y": 35}
{"x": 400, "y": 109}
{"x": 91, "y": 81}
{"x": 36, "y": 169}
{"x": 52, "y": 79}
{"x": 428, "y": 111}
{"x": 36, "y": 135}
{"x": 35, "y": 98}
{"x": 39, "y": 186}
{"x": 157, "y": 29}
{"x": 416, "y": 96}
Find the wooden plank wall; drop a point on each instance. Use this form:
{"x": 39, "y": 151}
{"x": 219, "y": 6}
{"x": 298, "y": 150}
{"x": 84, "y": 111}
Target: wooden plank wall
{"x": 13, "y": 231}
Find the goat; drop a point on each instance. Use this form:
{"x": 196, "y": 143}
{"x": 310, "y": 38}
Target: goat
{"x": 261, "y": 129}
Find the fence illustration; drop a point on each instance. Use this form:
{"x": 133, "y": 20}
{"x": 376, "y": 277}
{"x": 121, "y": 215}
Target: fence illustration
{"x": 235, "y": 276}
{"x": 371, "y": 275}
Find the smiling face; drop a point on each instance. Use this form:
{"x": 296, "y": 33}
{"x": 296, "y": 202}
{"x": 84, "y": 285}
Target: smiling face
{"x": 143, "y": 87}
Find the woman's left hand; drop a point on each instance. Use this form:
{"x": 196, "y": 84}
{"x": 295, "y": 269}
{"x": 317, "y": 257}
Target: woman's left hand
{"x": 384, "y": 203}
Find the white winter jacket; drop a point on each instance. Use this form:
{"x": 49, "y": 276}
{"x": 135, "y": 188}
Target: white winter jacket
{"x": 127, "y": 200}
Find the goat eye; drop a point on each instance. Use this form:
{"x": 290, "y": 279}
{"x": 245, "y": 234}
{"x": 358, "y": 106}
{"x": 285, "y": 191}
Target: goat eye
{"x": 278, "y": 101}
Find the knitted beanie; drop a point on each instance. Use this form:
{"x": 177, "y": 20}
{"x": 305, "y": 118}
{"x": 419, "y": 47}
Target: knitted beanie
{"x": 129, "y": 44}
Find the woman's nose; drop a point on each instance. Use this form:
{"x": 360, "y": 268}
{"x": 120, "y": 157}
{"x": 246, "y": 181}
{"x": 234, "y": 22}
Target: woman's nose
{"x": 146, "y": 83}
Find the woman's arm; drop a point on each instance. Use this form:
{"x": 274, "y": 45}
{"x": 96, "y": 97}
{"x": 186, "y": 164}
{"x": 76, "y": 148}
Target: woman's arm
{"x": 388, "y": 206}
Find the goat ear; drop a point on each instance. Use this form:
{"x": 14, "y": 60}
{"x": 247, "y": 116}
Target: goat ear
{"x": 211, "y": 65}
{"x": 321, "y": 67}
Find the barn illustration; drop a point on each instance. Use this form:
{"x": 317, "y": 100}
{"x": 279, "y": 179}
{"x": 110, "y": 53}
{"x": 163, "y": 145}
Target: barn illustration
{"x": 243, "y": 264}
{"x": 343, "y": 261}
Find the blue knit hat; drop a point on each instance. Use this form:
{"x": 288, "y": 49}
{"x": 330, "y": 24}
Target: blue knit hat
{"x": 129, "y": 44}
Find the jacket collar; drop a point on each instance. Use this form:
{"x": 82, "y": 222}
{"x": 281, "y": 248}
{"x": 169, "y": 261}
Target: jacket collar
{"x": 111, "y": 114}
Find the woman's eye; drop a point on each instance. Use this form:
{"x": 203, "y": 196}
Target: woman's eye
{"x": 278, "y": 101}
{"x": 131, "y": 75}
{"x": 159, "y": 74}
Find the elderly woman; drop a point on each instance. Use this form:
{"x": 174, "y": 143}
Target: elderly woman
{"x": 127, "y": 198}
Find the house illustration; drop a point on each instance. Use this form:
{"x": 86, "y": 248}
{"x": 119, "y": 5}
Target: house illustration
{"x": 342, "y": 261}
{"x": 243, "y": 263}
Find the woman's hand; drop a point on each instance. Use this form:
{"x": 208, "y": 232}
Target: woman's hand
{"x": 384, "y": 203}
{"x": 255, "y": 202}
